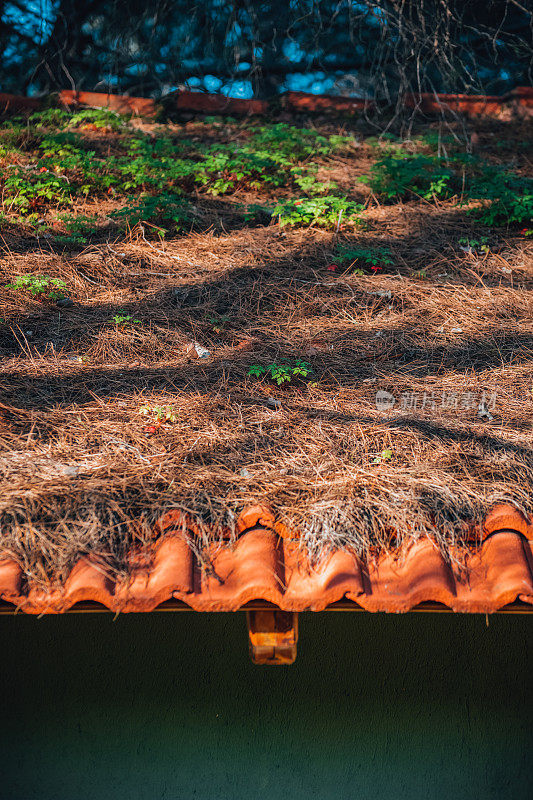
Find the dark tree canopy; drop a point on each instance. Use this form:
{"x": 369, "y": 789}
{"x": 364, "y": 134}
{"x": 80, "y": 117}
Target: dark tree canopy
{"x": 261, "y": 47}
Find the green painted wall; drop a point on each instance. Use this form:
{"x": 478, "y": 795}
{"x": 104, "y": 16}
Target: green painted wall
{"x": 168, "y": 706}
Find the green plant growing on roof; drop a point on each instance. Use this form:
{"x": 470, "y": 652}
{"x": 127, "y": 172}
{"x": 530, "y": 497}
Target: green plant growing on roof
{"x": 40, "y": 286}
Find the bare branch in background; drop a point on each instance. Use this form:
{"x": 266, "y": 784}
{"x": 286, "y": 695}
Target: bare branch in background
{"x": 376, "y": 48}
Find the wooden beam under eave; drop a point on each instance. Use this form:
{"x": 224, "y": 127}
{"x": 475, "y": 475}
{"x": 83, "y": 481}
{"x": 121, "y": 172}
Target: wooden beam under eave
{"x": 272, "y": 636}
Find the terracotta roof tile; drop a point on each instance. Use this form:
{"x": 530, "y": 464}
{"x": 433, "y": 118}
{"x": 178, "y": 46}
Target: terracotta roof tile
{"x": 263, "y": 566}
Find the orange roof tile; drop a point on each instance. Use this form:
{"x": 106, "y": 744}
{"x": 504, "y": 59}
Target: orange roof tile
{"x": 264, "y": 566}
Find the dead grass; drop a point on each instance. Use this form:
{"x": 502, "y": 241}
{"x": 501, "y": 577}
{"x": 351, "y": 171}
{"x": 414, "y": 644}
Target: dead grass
{"x": 81, "y": 474}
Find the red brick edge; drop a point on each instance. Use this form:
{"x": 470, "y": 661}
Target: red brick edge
{"x": 518, "y": 102}
{"x": 15, "y": 102}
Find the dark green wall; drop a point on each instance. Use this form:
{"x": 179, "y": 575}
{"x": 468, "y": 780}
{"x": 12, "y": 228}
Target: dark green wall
{"x": 168, "y": 706}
